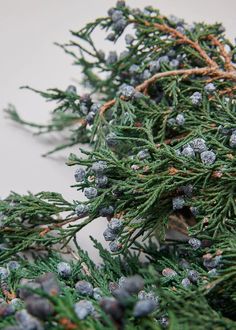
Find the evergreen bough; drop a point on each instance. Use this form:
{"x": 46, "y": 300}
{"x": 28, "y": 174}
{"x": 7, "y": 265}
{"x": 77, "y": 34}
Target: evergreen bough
{"x": 161, "y": 120}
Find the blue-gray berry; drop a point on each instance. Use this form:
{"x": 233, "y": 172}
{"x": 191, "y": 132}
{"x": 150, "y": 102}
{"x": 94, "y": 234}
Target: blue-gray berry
{"x": 90, "y": 117}
{"x": 111, "y": 36}
{"x": 180, "y": 29}
{"x": 194, "y": 243}
{"x": 109, "y": 235}
{"x": 27, "y": 322}
{"x": 196, "y": 98}
{"x": 174, "y": 63}
{"x": 208, "y": 157}
{"x": 112, "y": 58}
{"x": 164, "y": 59}
{"x": 210, "y": 88}
{"x": 134, "y": 68}
{"x": 116, "y": 15}
{"x": 82, "y": 210}
{"x": 187, "y": 189}
{"x": 129, "y": 39}
{"x": 71, "y": 89}
{"x": 127, "y": 91}
{"x": 180, "y": 119}
{"x": 95, "y": 107}
{"x": 120, "y": 3}
{"x": 64, "y": 269}
{"x": 79, "y": 174}
{"x": 84, "y": 108}
{"x": 143, "y": 295}
{"x": 119, "y": 25}
{"x": 146, "y": 74}
{"x": 193, "y": 276}
{"x": 124, "y": 54}
{"x": 198, "y": 145}
{"x": 84, "y": 288}
{"x": 97, "y": 293}
{"x": 178, "y": 203}
{"x": 90, "y": 192}
{"x": 4, "y": 273}
{"x": 213, "y": 272}
{"x": 13, "y": 265}
{"x": 101, "y": 181}
{"x": 111, "y": 140}
{"x": 133, "y": 284}
{"x": 143, "y": 308}
{"x": 186, "y": 282}
{"x": 232, "y": 140}
{"x": 99, "y": 167}
{"x": 106, "y": 211}
{"x": 115, "y": 225}
{"x": 188, "y": 151}
{"x": 164, "y": 321}
{"x": 114, "y": 246}
{"x": 83, "y": 308}
{"x": 154, "y": 66}
{"x": 143, "y": 154}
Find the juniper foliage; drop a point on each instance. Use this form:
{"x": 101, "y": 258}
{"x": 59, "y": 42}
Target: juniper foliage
{"x": 161, "y": 120}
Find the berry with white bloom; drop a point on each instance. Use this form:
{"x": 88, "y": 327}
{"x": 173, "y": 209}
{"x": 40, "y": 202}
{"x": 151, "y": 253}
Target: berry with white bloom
{"x": 196, "y": 98}
{"x": 188, "y": 152}
{"x": 84, "y": 288}
{"x": 109, "y": 235}
{"x": 143, "y": 308}
{"x": 180, "y": 119}
{"x": 195, "y": 243}
{"x": 198, "y": 145}
{"x": 127, "y": 91}
{"x": 79, "y": 174}
{"x": 90, "y": 192}
{"x": 64, "y": 269}
{"x": 115, "y": 225}
{"x": 210, "y": 88}
{"x": 178, "y": 203}
{"x": 208, "y": 157}
{"x": 83, "y": 308}
{"x": 71, "y": 89}
{"x": 81, "y": 210}
{"x": 232, "y": 140}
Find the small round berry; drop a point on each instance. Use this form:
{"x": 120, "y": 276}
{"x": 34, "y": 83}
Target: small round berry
{"x": 164, "y": 321}
{"x": 143, "y": 308}
{"x": 84, "y": 108}
{"x": 82, "y": 210}
{"x": 143, "y": 295}
{"x": 113, "y": 308}
{"x": 193, "y": 276}
{"x": 64, "y": 269}
{"x": 124, "y": 54}
{"x": 232, "y": 140}
{"x": 109, "y": 235}
{"x": 127, "y": 91}
{"x": 180, "y": 29}
{"x": 187, "y": 190}
{"x": 79, "y": 174}
{"x": 111, "y": 140}
{"x": 106, "y": 211}
{"x": 134, "y": 68}
{"x": 116, "y": 15}
{"x": 154, "y": 66}
{"x": 83, "y": 308}
{"x": 97, "y": 293}
{"x": 213, "y": 272}
{"x": 178, "y": 203}
{"x": 90, "y": 117}
{"x": 171, "y": 122}
{"x": 90, "y": 192}
{"x": 99, "y": 167}
{"x": 71, "y": 89}
{"x": 102, "y": 181}
{"x": 26, "y": 321}
{"x": 115, "y": 225}
{"x": 210, "y": 88}
{"x": 143, "y": 154}
{"x": 180, "y": 119}
{"x": 168, "y": 272}
{"x": 198, "y": 145}
{"x": 164, "y": 59}
{"x": 114, "y": 246}
{"x": 111, "y": 36}
{"x": 119, "y": 25}
{"x": 194, "y": 243}
{"x": 196, "y": 98}
{"x": 112, "y": 58}
{"x": 133, "y": 284}
{"x": 101, "y": 54}
{"x": 174, "y": 63}
{"x": 4, "y": 273}
{"x": 146, "y": 74}
{"x": 188, "y": 151}
{"x": 120, "y": 3}
{"x": 208, "y": 157}
{"x": 84, "y": 288}
{"x": 13, "y": 265}
{"x": 129, "y": 39}
{"x": 186, "y": 282}
{"x": 194, "y": 210}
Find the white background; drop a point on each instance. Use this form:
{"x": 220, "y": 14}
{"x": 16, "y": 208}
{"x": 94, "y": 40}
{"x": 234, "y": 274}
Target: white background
{"x": 28, "y": 29}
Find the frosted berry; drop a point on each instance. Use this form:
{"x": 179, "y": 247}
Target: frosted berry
{"x": 13, "y": 265}
{"x": 90, "y": 117}
{"x": 127, "y": 91}
{"x": 111, "y": 36}
{"x": 115, "y": 246}
{"x": 112, "y": 58}
{"x": 79, "y": 174}
{"x": 106, "y": 211}
{"x": 84, "y": 108}
{"x": 133, "y": 284}
{"x": 109, "y": 235}
{"x": 97, "y": 293}
{"x": 143, "y": 308}
{"x": 164, "y": 321}
{"x": 115, "y": 225}
{"x": 188, "y": 152}
{"x": 232, "y": 140}
{"x": 213, "y": 272}
{"x": 180, "y": 119}
{"x": 71, "y": 89}
{"x": 120, "y": 3}
{"x": 27, "y": 322}
{"x": 116, "y": 15}
{"x": 4, "y": 273}
{"x": 174, "y": 63}
{"x": 187, "y": 190}
{"x": 129, "y": 39}
{"x": 111, "y": 140}
{"x": 194, "y": 243}
{"x": 193, "y": 276}
{"x": 99, "y": 167}
{"x": 196, "y": 98}
{"x": 198, "y": 145}
{"x": 134, "y": 68}
{"x": 146, "y": 74}
{"x": 84, "y": 288}
{"x": 90, "y": 192}
{"x": 143, "y": 154}
{"x": 64, "y": 269}
{"x": 154, "y": 66}
{"x": 101, "y": 181}
{"x": 82, "y": 210}
{"x": 164, "y": 59}
{"x": 119, "y": 25}
{"x": 83, "y": 308}
{"x": 143, "y": 295}
{"x": 178, "y": 203}
{"x": 95, "y": 107}
{"x": 208, "y": 157}
{"x": 185, "y": 282}
{"x": 210, "y": 88}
